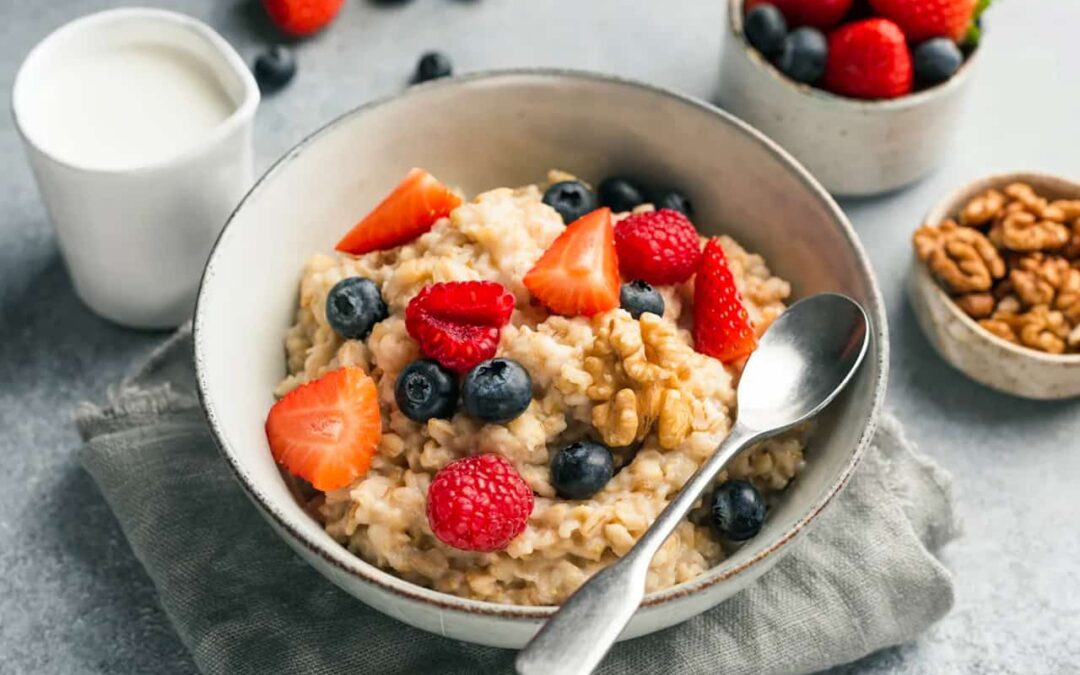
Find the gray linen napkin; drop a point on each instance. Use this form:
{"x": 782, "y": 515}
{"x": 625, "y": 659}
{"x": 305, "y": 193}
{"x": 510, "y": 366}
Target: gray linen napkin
{"x": 863, "y": 579}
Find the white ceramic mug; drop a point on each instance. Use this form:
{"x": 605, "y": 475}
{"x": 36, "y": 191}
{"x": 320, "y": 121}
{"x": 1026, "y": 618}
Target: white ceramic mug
{"x": 136, "y": 228}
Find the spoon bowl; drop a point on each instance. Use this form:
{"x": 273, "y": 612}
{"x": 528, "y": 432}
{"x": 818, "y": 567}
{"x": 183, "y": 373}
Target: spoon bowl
{"x": 804, "y": 360}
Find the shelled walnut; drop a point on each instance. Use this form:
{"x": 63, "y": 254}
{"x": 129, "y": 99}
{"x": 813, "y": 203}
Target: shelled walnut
{"x": 638, "y": 369}
{"x": 1011, "y": 261}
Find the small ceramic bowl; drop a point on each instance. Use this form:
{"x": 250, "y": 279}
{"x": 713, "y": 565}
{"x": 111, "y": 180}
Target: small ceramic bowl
{"x": 979, "y": 354}
{"x": 500, "y": 129}
{"x": 854, "y": 147}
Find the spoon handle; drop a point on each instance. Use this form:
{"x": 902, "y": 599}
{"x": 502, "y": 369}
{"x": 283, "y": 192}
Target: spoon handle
{"x": 577, "y": 637}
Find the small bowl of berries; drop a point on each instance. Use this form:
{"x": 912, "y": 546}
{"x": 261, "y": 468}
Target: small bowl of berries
{"x": 865, "y": 93}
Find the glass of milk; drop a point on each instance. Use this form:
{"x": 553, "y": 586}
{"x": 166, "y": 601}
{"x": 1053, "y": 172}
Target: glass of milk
{"x": 138, "y": 126}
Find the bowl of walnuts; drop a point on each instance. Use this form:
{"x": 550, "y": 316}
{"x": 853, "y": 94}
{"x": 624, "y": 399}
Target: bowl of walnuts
{"x": 995, "y": 283}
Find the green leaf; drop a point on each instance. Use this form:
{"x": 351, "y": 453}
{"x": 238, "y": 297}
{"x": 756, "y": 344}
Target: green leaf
{"x": 974, "y": 31}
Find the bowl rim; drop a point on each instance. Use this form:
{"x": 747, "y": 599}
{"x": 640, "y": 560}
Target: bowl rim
{"x": 914, "y": 99}
{"x": 354, "y": 566}
{"x": 948, "y": 206}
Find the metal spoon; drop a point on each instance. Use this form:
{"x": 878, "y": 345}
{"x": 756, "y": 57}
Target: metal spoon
{"x": 804, "y": 360}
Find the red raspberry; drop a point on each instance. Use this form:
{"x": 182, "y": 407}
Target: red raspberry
{"x": 722, "y": 327}
{"x": 457, "y": 323}
{"x": 478, "y": 503}
{"x": 660, "y": 247}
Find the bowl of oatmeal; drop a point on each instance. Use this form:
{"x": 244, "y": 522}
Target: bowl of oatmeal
{"x": 459, "y": 393}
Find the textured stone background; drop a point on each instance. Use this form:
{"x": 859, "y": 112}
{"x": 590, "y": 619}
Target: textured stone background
{"x": 72, "y": 597}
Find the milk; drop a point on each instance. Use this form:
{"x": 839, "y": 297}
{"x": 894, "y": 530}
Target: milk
{"x": 125, "y": 106}
{"x": 138, "y": 126}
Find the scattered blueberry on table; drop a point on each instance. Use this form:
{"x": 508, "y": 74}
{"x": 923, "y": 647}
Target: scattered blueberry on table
{"x": 432, "y": 66}
{"x": 638, "y": 297}
{"x": 571, "y": 198}
{"x": 581, "y": 469}
{"x": 275, "y": 68}
{"x": 353, "y": 307}
{"x": 425, "y": 390}
{"x": 738, "y": 511}
{"x": 497, "y": 390}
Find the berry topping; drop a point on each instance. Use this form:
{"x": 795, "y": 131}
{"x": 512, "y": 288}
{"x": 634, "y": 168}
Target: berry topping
{"x": 327, "y": 431}
{"x": 619, "y": 194}
{"x": 353, "y": 307}
{"x": 302, "y": 17}
{"x": 274, "y": 68}
{"x": 497, "y": 391}
{"x": 432, "y": 66}
{"x": 457, "y": 323}
{"x": 924, "y": 19}
{"x": 581, "y": 469}
{"x": 766, "y": 29}
{"x": 738, "y": 511}
{"x": 936, "y": 60}
{"x": 571, "y": 198}
{"x": 823, "y": 14}
{"x": 638, "y": 297}
{"x": 868, "y": 59}
{"x": 409, "y": 211}
{"x": 804, "y": 55}
{"x": 478, "y": 503}
{"x": 425, "y": 390}
{"x": 673, "y": 200}
{"x": 660, "y": 247}
{"x": 579, "y": 273}
{"x": 722, "y": 328}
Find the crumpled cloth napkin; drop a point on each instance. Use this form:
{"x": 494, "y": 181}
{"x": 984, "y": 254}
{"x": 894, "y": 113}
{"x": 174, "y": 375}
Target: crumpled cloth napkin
{"x": 864, "y": 578}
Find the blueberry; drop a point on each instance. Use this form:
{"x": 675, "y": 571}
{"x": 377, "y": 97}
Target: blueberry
{"x": 275, "y": 68}
{"x": 353, "y": 307}
{"x": 738, "y": 510}
{"x": 497, "y": 390}
{"x": 766, "y": 29}
{"x": 638, "y": 297}
{"x": 581, "y": 469}
{"x": 571, "y": 198}
{"x": 432, "y": 66}
{"x": 425, "y": 390}
{"x": 804, "y": 54}
{"x": 936, "y": 60}
{"x": 619, "y": 194}
{"x": 674, "y": 200}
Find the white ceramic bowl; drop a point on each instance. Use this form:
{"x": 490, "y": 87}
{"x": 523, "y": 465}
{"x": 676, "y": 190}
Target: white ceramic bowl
{"x": 854, "y": 147}
{"x": 978, "y": 353}
{"x": 502, "y": 129}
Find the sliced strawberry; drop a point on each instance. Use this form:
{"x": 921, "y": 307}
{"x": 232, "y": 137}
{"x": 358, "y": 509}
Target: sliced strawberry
{"x": 327, "y": 431}
{"x": 722, "y": 327}
{"x": 409, "y": 211}
{"x": 579, "y": 273}
{"x": 457, "y": 323}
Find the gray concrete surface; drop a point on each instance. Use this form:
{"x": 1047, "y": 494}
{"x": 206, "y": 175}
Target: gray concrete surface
{"x": 74, "y": 600}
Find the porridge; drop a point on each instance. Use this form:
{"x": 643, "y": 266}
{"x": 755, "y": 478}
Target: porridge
{"x": 586, "y": 400}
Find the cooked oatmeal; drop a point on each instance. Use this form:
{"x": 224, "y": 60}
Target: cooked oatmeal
{"x": 610, "y": 377}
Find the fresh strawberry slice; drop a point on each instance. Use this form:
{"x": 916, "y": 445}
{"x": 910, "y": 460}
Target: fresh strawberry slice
{"x": 409, "y": 211}
{"x": 327, "y": 431}
{"x": 722, "y": 327}
{"x": 924, "y": 19}
{"x": 579, "y": 273}
{"x": 457, "y": 323}
{"x": 869, "y": 59}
